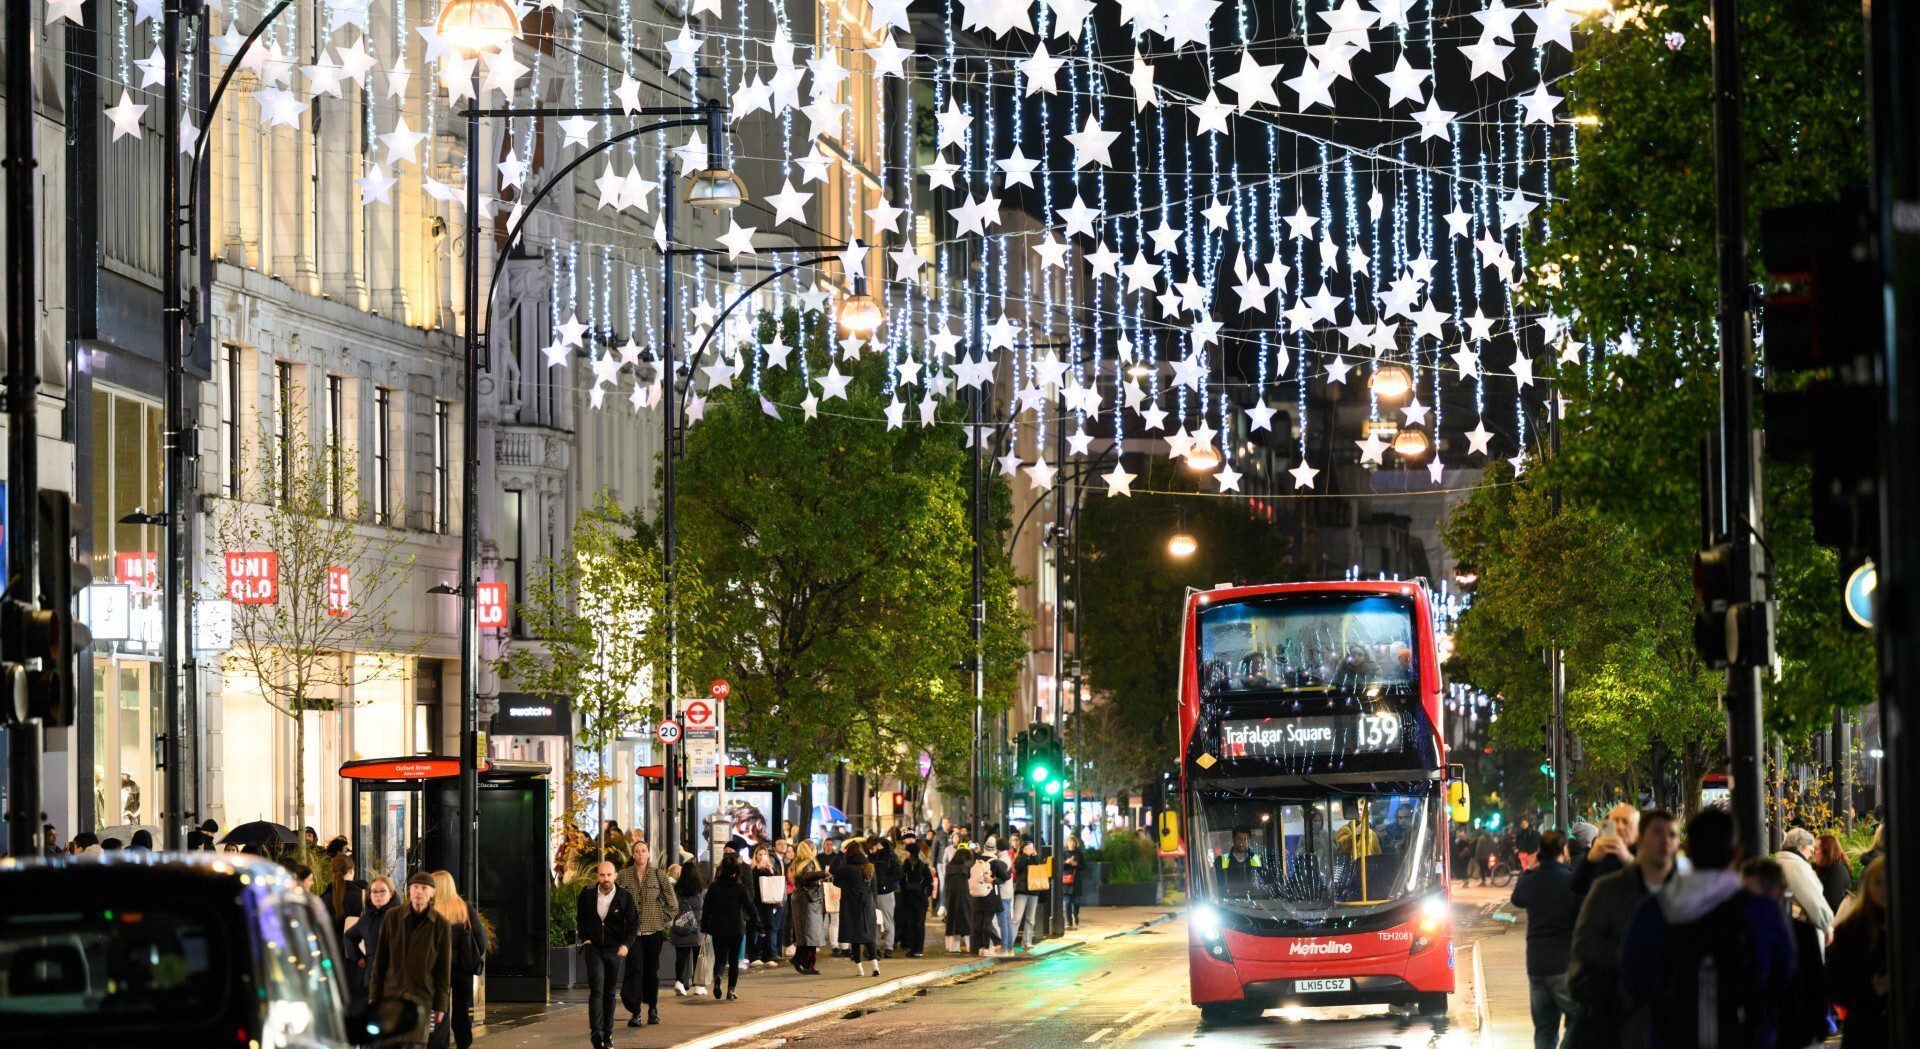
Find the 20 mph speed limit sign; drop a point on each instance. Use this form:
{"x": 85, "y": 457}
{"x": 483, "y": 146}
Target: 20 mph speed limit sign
{"x": 668, "y": 732}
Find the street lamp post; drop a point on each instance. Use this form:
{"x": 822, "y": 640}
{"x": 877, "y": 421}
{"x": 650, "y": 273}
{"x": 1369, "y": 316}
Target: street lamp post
{"x": 710, "y": 116}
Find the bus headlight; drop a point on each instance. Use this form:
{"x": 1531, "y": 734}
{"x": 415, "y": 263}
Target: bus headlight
{"x": 1206, "y": 922}
{"x": 1433, "y": 911}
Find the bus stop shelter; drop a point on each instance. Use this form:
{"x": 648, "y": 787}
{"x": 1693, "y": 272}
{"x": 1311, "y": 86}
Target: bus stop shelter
{"x": 406, "y": 817}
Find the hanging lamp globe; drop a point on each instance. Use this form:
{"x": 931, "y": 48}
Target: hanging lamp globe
{"x": 861, "y": 314}
{"x": 1391, "y": 382}
{"x": 1181, "y": 544}
{"x": 1410, "y": 444}
{"x": 1203, "y": 457}
{"x": 715, "y": 189}
{"x": 472, "y": 26}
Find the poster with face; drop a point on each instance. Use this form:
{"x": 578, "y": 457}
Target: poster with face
{"x": 746, "y": 812}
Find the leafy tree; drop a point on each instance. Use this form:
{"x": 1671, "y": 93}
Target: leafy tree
{"x": 839, "y": 557}
{"x": 1608, "y": 577}
{"x": 308, "y": 649}
{"x": 597, "y": 614}
{"x": 1132, "y": 597}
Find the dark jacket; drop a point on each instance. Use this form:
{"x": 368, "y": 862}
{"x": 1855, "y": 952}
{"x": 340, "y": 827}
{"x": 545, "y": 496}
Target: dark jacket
{"x": 360, "y": 942}
{"x": 1546, "y": 894}
{"x": 619, "y": 927}
{"x": 414, "y": 961}
{"x": 1021, "y": 864}
{"x": 345, "y": 899}
{"x": 1587, "y": 871}
{"x": 1593, "y": 970}
{"x": 1693, "y": 914}
{"x": 916, "y": 881}
{"x": 727, "y": 911}
{"x": 958, "y": 905}
{"x": 690, "y": 903}
{"x": 1835, "y": 882}
{"x": 886, "y": 872}
{"x": 1857, "y": 954}
{"x": 1070, "y": 868}
{"x": 857, "y": 921}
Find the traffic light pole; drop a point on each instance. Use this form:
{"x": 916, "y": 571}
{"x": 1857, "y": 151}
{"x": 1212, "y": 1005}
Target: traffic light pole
{"x": 1894, "y": 91}
{"x": 1740, "y": 508}
{"x": 1056, "y": 904}
{"x": 22, "y": 377}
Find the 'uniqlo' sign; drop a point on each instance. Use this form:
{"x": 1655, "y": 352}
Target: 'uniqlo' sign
{"x": 141, "y": 570}
{"x": 490, "y": 606}
{"x": 339, "y": 591}
{"x": 253, "y": 577}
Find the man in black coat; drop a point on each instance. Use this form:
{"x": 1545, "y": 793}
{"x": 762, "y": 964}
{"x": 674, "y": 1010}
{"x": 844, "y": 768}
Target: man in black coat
{"x": 1546, "y": 894}
{"x": 607, "y": 921}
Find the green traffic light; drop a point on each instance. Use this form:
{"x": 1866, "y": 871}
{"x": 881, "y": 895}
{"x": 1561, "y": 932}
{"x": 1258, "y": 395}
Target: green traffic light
{"x": 1053, "y": 789}
{"x": 1039, "y": 774}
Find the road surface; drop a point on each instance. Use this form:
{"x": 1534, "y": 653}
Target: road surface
{"x": 1130, "y": 991}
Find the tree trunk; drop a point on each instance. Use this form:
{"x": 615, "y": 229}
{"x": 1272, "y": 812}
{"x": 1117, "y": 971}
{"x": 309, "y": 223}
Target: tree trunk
{"x": 299, "y": 767}
{"x": 1689, "y": 780}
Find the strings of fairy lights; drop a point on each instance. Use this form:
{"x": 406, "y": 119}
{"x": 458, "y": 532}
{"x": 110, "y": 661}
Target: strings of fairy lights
{"x": 1212, "y": 299}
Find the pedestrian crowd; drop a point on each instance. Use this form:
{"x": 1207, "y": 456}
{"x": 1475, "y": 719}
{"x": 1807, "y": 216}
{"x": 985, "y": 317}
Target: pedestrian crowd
{"x": 791, "y": 900}
{"x": 1642, "y": 936}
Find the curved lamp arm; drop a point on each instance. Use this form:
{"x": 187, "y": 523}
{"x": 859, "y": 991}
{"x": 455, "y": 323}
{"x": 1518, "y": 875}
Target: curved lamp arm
{"x": 699, "y": 352}
{"x": 547, "y": 187}
{"x": 201, "y": 147}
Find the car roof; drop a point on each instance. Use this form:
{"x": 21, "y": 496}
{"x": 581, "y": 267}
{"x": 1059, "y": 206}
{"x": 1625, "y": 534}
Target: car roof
{"x": 209, "y": 869}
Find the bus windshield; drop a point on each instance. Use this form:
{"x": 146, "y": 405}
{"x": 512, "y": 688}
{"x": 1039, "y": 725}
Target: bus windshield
{"x": 1307, "y": 642}
{"x": 1314, "y": 860}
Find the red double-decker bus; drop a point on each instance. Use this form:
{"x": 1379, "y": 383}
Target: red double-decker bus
{"x": 1313, "y": 783}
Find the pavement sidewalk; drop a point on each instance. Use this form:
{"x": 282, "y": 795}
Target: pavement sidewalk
{"x": 770, "y": 996}
{"x": 1501, "y": 933}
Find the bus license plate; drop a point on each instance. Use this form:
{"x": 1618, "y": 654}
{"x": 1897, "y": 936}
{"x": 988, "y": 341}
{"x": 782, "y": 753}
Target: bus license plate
{"x": 1322, "y": 986}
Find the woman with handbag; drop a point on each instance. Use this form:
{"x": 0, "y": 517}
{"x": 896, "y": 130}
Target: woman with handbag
{"x": 469, "y": 937}
{"x": 728, "y": 916}
{"x": 807, "y": 910}
{"x": 691, "y": 892}
{"x": 859, "y": 907}
{"x": 916, "y": 890}
{"x": 766, "y": 888}
{"x": 1070, "y": 880}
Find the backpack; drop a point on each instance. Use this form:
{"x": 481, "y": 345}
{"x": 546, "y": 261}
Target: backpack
{"x": 1709, "y": 994}
{"x": 980, "y": 880}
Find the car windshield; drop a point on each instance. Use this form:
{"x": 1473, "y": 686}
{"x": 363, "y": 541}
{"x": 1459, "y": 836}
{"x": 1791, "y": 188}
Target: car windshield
{"x": 1314, "y": 860}
{"x": 1307, "y": 642}
{"x": 68, "y": 964}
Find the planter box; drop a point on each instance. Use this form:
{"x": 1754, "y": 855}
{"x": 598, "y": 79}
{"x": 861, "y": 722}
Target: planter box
{"x": 1129, "y": 894}
{"x": 563, "y": 968}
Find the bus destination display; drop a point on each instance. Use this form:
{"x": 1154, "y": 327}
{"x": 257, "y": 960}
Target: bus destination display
{"x": 1326, "y": 735}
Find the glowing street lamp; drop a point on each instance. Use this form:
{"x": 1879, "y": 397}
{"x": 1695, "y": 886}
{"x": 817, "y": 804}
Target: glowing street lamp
{"x": 1203, "y": 458}
{"x": 477, "y": 25}
{"x": 1410, "y": 444}
{"x": 1181, "y": 545}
